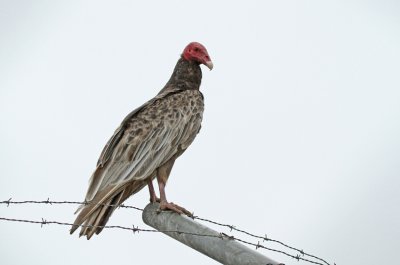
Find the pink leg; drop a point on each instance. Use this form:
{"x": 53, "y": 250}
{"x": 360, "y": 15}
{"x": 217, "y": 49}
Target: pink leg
{"x": 164, "y": 204}
{"x": 153, "y": 196}
{"x": 162, "y": 177}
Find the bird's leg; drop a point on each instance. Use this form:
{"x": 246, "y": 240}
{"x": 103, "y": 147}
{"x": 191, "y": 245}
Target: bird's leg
{"x": 165, "y": 205}
{"x": 162, "y": 177}
{"x": 153, "y": 196}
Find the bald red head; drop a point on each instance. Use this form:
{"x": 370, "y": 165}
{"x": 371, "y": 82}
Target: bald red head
{"x": 196, "y": 52}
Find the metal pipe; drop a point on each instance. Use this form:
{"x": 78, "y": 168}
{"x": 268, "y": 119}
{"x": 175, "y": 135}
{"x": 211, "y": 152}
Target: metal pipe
{"x": 215, "y": 245}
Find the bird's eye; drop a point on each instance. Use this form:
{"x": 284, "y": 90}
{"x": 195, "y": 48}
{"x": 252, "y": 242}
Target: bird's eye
{"x": 196, "y": 49}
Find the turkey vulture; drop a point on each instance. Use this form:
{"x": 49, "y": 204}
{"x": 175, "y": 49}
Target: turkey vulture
{"x": 144, "y": 147}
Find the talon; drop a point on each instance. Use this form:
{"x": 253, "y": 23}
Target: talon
{"x": 170, "y": 206}
{"x": 175, "y": 208}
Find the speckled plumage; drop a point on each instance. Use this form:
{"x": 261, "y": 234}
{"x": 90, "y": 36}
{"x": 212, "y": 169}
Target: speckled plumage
{"x": 150, "y": 137}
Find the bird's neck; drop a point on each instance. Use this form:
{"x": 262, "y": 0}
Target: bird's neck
{"x": 186, "y": 76}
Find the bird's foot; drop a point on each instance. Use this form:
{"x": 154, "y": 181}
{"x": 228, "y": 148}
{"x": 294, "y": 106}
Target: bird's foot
{"x": 174, "y": 207}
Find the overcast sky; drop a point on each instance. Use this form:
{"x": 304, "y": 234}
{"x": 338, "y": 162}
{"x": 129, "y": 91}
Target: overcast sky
{"x": 300, "y": 138}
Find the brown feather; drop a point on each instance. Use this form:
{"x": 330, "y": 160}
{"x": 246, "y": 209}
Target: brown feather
{"x": 147, "y": 142}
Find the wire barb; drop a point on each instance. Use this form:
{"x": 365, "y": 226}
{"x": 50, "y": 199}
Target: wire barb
{"x": 135, "y": 229}
{"x": 44, "y": 222}
{"x": 8, "y": 202}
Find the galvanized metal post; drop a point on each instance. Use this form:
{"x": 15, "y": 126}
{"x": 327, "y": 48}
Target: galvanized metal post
{"x": 222, "y": 249}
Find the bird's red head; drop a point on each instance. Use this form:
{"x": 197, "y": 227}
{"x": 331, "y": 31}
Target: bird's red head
{"x": 196, "y": 52}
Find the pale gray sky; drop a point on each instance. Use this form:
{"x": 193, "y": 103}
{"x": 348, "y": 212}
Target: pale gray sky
{"x": 300, "y": 137}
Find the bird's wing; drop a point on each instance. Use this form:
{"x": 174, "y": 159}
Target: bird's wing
{"x": 113, "y": 141}
{"x": 146, "y": 139}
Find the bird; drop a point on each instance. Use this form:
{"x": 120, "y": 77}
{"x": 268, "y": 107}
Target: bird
{"x": 146, "y": 144}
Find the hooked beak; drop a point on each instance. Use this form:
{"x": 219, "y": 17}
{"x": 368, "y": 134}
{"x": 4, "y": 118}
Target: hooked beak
{"x": 209, "y": 64}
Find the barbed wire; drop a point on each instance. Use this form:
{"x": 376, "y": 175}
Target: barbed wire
{"x": 264, "y": 238}
{"x": 137, "y": 230}
{"x": 300, "y": 256}
{"x": 133, "y": 228}
{"x": 48, "y": 201}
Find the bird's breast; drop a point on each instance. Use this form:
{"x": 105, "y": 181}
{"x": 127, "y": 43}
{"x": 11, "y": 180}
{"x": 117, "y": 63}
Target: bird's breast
{"x": 185, "y": 105}
{"x": 185, "y": 113}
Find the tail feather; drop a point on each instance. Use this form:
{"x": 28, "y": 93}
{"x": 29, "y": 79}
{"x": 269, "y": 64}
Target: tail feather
{"x": 103, "y": 216}
{"x": 88, "y": 211}
{"x": 95, "y": 215}
{"x": 86, "y": 228}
